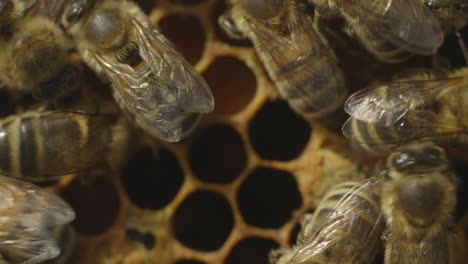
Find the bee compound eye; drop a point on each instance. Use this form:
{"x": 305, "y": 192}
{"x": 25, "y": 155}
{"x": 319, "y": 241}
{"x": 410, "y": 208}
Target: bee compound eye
{"x": 264, "y": 9}
{"x": 76, "y": 11}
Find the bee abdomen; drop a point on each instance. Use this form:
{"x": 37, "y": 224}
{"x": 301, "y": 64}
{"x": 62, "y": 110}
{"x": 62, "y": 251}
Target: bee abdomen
{"x": 313, "y": 86}
{"x": 40, "y": 146}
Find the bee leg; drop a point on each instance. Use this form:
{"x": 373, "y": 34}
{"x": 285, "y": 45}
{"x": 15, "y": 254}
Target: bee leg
{"x": 229, "y": 26}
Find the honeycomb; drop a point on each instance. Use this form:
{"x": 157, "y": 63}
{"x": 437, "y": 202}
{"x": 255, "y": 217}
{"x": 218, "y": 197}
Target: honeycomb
{"x": 237, "y": 187}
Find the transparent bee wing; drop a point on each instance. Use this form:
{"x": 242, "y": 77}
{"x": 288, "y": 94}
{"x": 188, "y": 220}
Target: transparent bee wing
{"x": 144, "y": 102}
{"x": 402, "y": 111}
{"x": 406, "y": 23}
{"x": 184, "y": 83}
{"x": 347, "y": 226}
{"x": 304, "y": 45}
{"x": 29, "y": 215}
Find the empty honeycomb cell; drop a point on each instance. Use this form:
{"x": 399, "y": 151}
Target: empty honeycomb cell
{"x": 192, "y": 42}
{"x": 232, "y": 82}
{"x": 152, "y": 178}
{"x": 203, "y": 221}
{"x": 251, "y": 250}
{"x": 278, "y": 133}
{"x": 186, "y": 2}
{"x": 462, "y": 195}
{"x": 268, "y": 197}
{"x": 219, "y": 9}
{"x": 96, "y": 204}
{"x": 218, "y": 155}
{"x": 146, "y": 239}
{"x": 186, "y": 261}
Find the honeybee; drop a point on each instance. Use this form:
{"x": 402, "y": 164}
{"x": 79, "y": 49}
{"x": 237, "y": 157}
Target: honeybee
{"x": 294, "y": 53}
{"x": 402, "y": 111}
{"x": 29, "y": 216}
{"x": 152, "y": 82}
{"x": 389, "y": 29}
{"x": 345, "y": 228}
{"x": 35, "y": 57}
{"x": 45, "y": 145}
{"x": 418, "y": 201}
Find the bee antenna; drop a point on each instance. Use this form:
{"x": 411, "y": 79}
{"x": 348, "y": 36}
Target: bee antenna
{"x": 462, "y": 45}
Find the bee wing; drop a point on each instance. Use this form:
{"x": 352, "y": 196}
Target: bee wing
{"x": 185, "y": 84}
{"x": 332, "y": 234}
{"x": 29, "y": 230}
{"x": 143, "y": 102}
{"x": 303, "y": 43}
{"x": 406, "y": 23}
{"x": 401, "y": 111}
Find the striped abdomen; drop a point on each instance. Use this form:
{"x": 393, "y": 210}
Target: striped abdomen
{"x": 312, "y": 84}
{"x": 346, "y": 227}
{"x": 45, "y": 145}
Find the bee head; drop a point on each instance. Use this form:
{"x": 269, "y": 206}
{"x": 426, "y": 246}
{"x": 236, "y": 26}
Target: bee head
{"x": 417, "y": 158}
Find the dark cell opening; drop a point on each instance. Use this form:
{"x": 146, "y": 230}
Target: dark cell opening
{"x": 462, "y": 195}
{"x": 146, "y": 239}
{"x": 251, "y": 250}
{"x": 186, "y": 33}
{"x": 146, "y": 5}
{"x": 152, "y": 179}
{"x": 96, "y": 204}
{"x": 232, "y": 83}
{"x": 186, "y": 2}
{"x": 278, "y": 133}
{"x": 268, "y": 197}
{"x": 186, "y": 261}
{"x": 219, "y": 9}
{"x": 218, "y": 155}
{"x": 203, "y": 221}
{"x": 452, "y": 50}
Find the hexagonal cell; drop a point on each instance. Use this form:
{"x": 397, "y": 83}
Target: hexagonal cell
{"x": 232, "y": 82}
{"x": 219, "y": 9}
{"x": 203, "y": 221}
{"x": 268, "y": 197}
{"x": 96, "y": 204}
{"x": 152, "y": 179}
{"x": 146, "y": 239}
{"x": 192, "y": 42}
{"x": 278, "y": 133}
{"x": 218, "y": 155}
{"x": 185, "y": 2}
{"x": 251, "y": 250}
